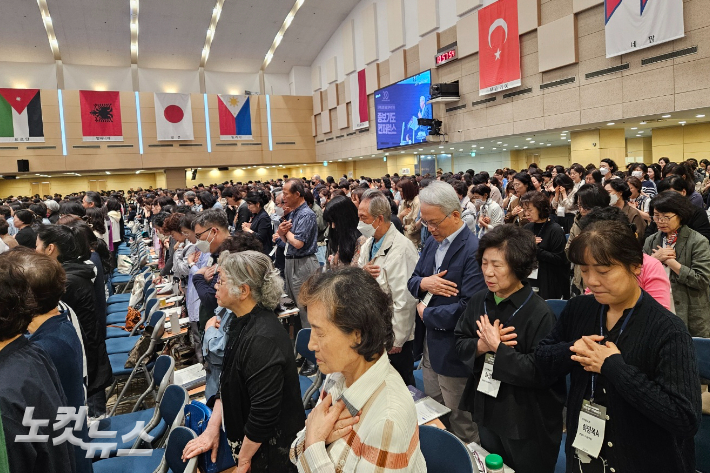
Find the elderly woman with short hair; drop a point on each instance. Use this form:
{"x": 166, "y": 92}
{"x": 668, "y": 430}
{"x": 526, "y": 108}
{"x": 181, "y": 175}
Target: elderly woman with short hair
{"x": 364, "y": 407}
{"x": 259, "y": 397}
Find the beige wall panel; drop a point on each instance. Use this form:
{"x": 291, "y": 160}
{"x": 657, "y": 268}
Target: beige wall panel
{"x": 601, "y": 114}
{"x": 692, "y": 75}
{"x": 412, "y": 57}
{"x": 325, "y": 121}
{"x": 428, "y": 13}
{"x": 591, "y": 46}
{"x": 331, "y": 70}
{"x": 526, "y": 107}
{"x": 340, "y": 86}
{"x": 317, "y": 105}
{"x": 395, "y": 24}
{"x": 398, "y": 65}
{"x": 466, "y": 6}
{"x": 528, "y": 15}
{"x": 562, "y": 101}
{"x": 348, "y": 34}
{"x": 332, "y": 96}
{"x": 652, "y": 106}
{"x": 553, "y": 10}
{"x": 313, "y": 126}
{"x": 368, "y": 22}
{"x": 699, "y": 133}
{"x": 648, "y": 84}
{"x": 316, "y": 81}
{"x": 343, "y": 116}
{"x": 690, "y": 100}
{"x": 598, "y": 94}
{"x": 557, "y": 43}
{"x": 498, "y": 114}
{"x": 348, "y": 91}
{"x": 428, "y": 47}
{"x": 581, "y": 5}
{"x": 590, "y": 21}
{"x": 289, "y": 115}
{"x": 372, "y": 78}
{"x": 448, "y": 36}
{"x": 562, "y": 120}
{"x": 467, "y": 34}
{"x": 674, "y": 152}
{"x": 529, "y": 125}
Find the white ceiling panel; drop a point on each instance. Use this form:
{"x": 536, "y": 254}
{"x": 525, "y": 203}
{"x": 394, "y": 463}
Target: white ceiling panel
{"x": 310, "y": 30}
{"x": 245, "y": 32}
{"x": 22, "y": 34}
{"x": 92, "y": 32}
{"x": 171, "y": 33}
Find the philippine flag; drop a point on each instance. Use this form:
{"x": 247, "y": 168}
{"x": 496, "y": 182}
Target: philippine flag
{"x": 173, "y": 117}
{"x": 234, "y": 117}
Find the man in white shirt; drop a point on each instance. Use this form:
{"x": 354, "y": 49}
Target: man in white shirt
{"x": 390, "y": 258}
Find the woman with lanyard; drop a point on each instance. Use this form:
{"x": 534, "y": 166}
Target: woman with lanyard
{"x": 634, "y": 396}
{"x": 518, "y": 417}
{"x": 552, "y": 275}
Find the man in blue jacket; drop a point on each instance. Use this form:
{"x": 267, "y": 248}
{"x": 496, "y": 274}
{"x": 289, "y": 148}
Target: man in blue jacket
{"x": 446, "y": 276}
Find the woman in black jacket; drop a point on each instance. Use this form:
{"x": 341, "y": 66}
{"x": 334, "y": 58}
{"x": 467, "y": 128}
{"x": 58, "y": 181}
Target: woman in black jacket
{"x": 552, "y": 275}
{"x": 634, "y": 383}
{"x": 260, "y": 223}
{"x": 70, "y": 247}
{"x": 519, "y": 416}
{"x": 259, "y": 398}
{"x": 23, "y": 220}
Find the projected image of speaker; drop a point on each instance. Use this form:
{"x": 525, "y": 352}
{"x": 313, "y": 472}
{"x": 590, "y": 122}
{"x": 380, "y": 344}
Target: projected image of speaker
{"x": 23, "y": 165}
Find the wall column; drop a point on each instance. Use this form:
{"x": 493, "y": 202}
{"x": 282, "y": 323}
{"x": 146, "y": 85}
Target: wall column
{"x": 591, "y": 146}
{"x": 641, "y": 149}
{"x": 175, "y": 178}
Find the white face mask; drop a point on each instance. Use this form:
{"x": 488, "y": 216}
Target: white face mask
{"x": 366, "y": 229}
{"x": 637, "y": 174}
{"x": 279, "y": 211}
{"x": 478, "y": 202}
{"x": 604, "y": 171}
{"x": 613, "y": 199}
{"x": 204, "y": 245}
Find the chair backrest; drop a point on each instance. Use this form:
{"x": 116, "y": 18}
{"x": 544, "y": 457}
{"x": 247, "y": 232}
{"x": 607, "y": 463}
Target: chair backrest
{"x": 557, "y": 306}
{"x": 177, "y": 441}
{"x": 172, "y": 405}
{"x": 150, "y": 304}
{"x": 302, "y": 345}
{"x": 157, "y": 321}
{"x": 702, "y": 353}
{"x": 163, "y": 375}
{"x": 443, "y": 451}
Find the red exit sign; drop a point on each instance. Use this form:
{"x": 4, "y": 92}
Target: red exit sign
{"x": 446, "y": 55}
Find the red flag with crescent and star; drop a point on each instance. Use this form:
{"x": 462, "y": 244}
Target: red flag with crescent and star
{"x": 498, "y": 47}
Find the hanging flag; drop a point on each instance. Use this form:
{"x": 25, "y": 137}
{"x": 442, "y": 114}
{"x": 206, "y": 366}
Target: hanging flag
{"x": 20, "y": 115}
{"x": 632, "y": 24}
{"x": 234, "y": 117}
{"x": 498, "y": 47}
{"x": 359, "y": 105}
{"x": 100, "y": 116}
{"x": 173, "y": 117}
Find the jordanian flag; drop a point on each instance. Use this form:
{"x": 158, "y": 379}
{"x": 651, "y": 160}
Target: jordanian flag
{"x": 20, "y": 115}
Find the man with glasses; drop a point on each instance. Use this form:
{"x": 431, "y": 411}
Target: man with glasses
{"x": 211, "y": 229}
{"x": 445, "y": 277}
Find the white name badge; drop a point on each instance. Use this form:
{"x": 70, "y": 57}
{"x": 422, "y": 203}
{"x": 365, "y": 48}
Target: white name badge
{"x": 488, "y": 385}
{"x": 590, "y": 429}
{"x": 533, "y": 275}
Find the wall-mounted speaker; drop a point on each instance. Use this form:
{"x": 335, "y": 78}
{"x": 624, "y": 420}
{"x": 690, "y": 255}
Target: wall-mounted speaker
{"x": 223, "y": 169}
{"x": 194, "y": 174}
{"x": 23, "y": 165}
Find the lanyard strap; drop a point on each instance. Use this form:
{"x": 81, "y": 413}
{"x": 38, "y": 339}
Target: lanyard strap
{"x": 485, "y": 307}
{"x": 602, "y": 320}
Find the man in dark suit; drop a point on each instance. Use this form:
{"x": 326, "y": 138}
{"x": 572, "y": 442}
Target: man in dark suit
{"x": 446, "y": 276}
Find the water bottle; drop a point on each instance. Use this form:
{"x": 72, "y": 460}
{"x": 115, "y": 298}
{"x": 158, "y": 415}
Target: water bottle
{"x": 494, "y": 464}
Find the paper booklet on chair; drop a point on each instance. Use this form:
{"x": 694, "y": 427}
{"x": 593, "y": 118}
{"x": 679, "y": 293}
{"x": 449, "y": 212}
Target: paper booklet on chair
{"x": 191, "y": 377}
{"x": 427, "y": 408}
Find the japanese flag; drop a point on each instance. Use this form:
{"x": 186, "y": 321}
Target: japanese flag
{"x": 173, "y": 117}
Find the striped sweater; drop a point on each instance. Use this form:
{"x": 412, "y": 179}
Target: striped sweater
{"x": 386, "y": 439}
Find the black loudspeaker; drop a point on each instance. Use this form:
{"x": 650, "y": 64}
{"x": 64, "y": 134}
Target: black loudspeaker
{"x": 23, "y": 165}
{"x": 194, "y": 174}
{"x": 223, "y": 169}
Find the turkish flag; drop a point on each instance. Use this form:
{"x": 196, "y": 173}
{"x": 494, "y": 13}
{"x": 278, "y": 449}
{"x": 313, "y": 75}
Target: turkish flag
{"x": 498, "y": 47}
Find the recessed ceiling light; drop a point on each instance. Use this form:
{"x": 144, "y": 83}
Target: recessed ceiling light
{"x": 611, "y": 123}
{"x": 451, "y": 148}
{"x": 499, "y": 143}
{"x": 640, "y": 131}
{"x": 569, "y": 140}
{"x": 473, "y": 146}
{"x": 665, "y": 116}
{"x": 528, "y": 139}
{"x": 495, "y": 148}
{"x": 441, "y": 147}
{"x": 505, "y": 144}
{"x": 516, "y": 146}
{"x": 643, "y": 123}
{"x": 700, "y": 116}
{"x": 532, "y": 142}
{"x": 372, "y": 155}
{"x": 682, "y": 123}
{"x": 639, "y": 136}
{"x": 634, "y": 128}
{"x": 505, "y": 149}
{"x": 421, "y": 149}
{"x": 525, "y": 147}
{"x": 483, "y": 147}
{"x": 401, "y": 152}
{"x": 460, "y": 150}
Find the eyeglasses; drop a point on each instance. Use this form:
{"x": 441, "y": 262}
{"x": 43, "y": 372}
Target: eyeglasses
{"x": 434, "y": 225}
{"x": 199, "y": 235}
{"x": 663, "y": 218}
